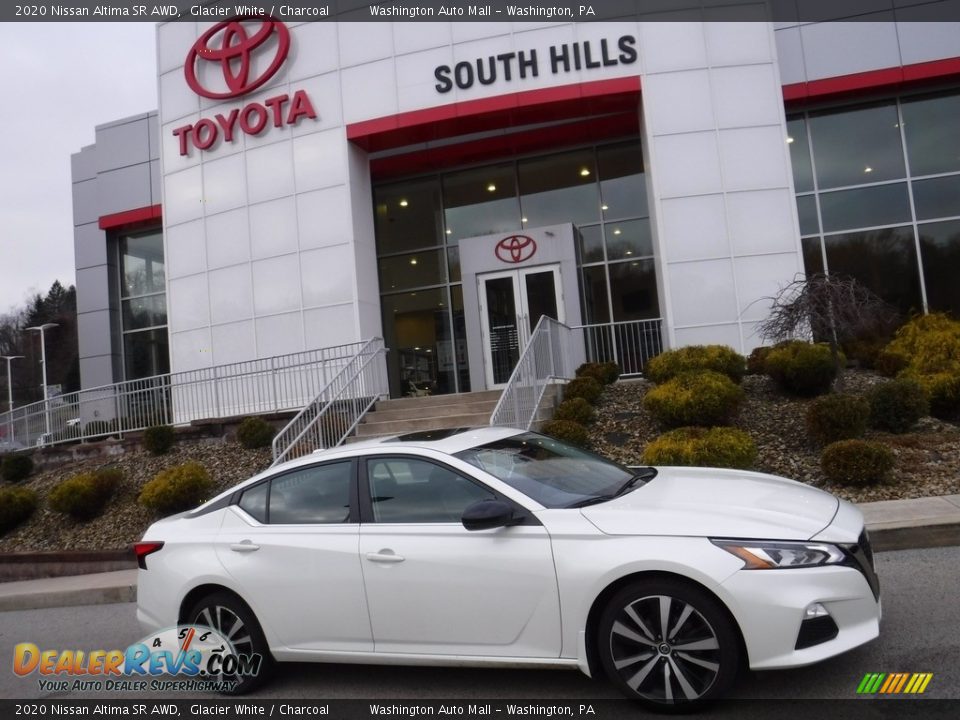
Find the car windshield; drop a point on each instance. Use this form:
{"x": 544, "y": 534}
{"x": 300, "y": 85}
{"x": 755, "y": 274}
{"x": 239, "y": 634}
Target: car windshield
{"x": 551, "y": 472}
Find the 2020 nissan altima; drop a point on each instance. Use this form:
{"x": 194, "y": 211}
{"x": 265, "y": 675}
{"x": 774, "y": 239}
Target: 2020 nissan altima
{"x": 496, "y": 546}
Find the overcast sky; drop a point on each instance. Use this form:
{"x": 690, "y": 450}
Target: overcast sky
{"x": 57, "y": 82}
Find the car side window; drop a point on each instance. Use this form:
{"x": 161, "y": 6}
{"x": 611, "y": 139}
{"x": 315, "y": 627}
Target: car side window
{"x": 408, "y": 490}
{"x": 254, "y": 501}
{"x": 312, "y": 495}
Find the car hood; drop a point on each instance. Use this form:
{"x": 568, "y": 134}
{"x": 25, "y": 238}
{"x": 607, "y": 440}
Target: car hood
{"x": 708, "y": 502}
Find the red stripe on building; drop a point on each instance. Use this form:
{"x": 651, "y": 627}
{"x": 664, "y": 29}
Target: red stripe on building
{"x": 149, "y": 213}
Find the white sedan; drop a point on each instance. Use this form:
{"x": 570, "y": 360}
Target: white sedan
{"x": 495, "y": 547}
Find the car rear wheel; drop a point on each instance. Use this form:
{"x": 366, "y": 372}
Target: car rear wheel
{"x": 235, "y": 622}
{"x": 668, "y": 644}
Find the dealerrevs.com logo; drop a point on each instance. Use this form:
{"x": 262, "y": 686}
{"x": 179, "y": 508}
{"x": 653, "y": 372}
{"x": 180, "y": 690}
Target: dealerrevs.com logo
{"x": 198, "y": 657}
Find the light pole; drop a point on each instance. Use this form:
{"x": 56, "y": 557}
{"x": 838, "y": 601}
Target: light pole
{"x": 43, "y": 361}
{"x": 10, "y": 359}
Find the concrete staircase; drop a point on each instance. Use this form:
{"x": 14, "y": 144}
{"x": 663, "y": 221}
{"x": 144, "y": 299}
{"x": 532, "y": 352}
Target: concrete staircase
{"x": 403, "y": 415}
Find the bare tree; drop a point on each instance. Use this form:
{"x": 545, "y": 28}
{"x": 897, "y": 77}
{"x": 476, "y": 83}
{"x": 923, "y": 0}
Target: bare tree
{"x": 828, "y": 308}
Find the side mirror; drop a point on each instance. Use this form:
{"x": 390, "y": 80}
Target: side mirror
{"x": 487, "y": 514}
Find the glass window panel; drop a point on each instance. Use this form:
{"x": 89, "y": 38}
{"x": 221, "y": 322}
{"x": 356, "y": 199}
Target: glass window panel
{"x": 414, "y": 270}
{"x": 503, "y": 322}
{"x": 865, "y": 207}
{"x": 254, "y": 501}
{"x": 883, "y": 260}
{"x": 541, "y": 292}
{"x": 146, "y": 354}
{"x": 940, "y": 250}
{"x": 415, "y": 326}
{"x": 857, "y": 146}
{"x": 316, "y": 495}
{"x": 591, "y": 244}
{"x": 628, "y": 239}
{"x": 937, "y": 198}
{"x": 144, "y": 312}
{"x": 453, "y": 263}
{"x": 623, "y": 185}
{"x": 141, "y": 265}
{"x": 932, "y": 129}
{"x": 403, "y": 490}
{"x": 807, "y": 212}
{"x": 594, "y": 293}
{"x": 800, "y": 154}
{"x": 458, "y": 351}
{"x": 633, "y": 290}
{"x": 482, "y": 201}
{"x": 812, "y": 256}
{"x": 407, "y": 215}
{"x": 559, "y": 189}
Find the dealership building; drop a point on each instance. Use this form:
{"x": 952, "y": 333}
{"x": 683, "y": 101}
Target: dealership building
{"x": 441, "y": 185}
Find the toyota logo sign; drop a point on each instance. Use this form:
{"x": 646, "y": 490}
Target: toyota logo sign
{"x": 230, "y": 44}
{"x": 516, "y": 248}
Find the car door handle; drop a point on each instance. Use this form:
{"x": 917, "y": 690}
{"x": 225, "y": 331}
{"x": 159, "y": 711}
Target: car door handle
{"x": 244, "y": 547}
{"x": 385, "y": 556}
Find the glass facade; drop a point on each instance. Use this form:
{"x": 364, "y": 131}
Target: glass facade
{"x": 143, "y": 306}
{"x": 420, "y": 223}
{"x": 878, "y": 196}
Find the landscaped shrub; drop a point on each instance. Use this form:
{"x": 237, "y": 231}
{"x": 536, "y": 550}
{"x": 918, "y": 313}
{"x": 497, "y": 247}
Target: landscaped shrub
{"x": 865, "y": 351}
{"x": 837, "y": 417}
{"x": 17, "y": 467}
{"x": 703, "y": 398}
{"x": 16, "y": 505}
{"x": 756, "y": 360}
{"x": 802, "y": 368}
{"x": 896, "y": 406}
{"x": 158, "y": 439}
{"x": 942, "y": 390}
{"x": 930, "y": 344}
{"x": 576, "y": 409}
{"x": 176, "y": 489}
{"x": 719, "y": 358}
{"x": 567, "y": 431}
{"x": 856, "y": 462}
{"x": 255, "y": 432}
{"x": 583, "y": 387}
{"x": 888, "y": 363}
{"x": 611, "y": 372}
{"x": 594, "y": 370}
{"x": 713, "y": 447}
{"x": 84, "y": 496}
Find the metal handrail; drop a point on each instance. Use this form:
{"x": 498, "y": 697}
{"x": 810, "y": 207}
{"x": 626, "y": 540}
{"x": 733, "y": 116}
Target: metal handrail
{"x": 328, "y": 419}
{"x": 629, "y": 343}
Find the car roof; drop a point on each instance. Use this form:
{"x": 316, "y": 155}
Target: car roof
{"x": 448, "y": 441}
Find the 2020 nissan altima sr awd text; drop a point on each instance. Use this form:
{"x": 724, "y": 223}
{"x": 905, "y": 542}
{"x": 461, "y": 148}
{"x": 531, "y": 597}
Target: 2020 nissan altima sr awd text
{"x": 496, "y": 546}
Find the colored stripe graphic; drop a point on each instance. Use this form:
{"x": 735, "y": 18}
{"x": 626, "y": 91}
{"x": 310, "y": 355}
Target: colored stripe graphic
{"x": 894, "y": 683}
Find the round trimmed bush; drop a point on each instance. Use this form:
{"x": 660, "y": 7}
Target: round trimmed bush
{"x": 713, "y": 447}
{"x": 931, "y": 344}
{"x": 567, "y": 431}
{"x": 610, "y": 371}
{"x": 16, "y": 505}
{"x": 158, "y": 439}
{"x": 255, "y": 432}
{"x": 888, "y": 363}
{"x": 897, "y": 405}
{"x": 592, "y": 369}
{"x": 802, "y": 368}
{"x": 16, "y": 467}
{"x": 584, "y": 387}
{"x": 856, "y": 462}
{"x": 837, "y": 417}
{"x": 719, "y": 358}
{"x": 756, "y": 360}
{"x": 702, "y": 398}
{"x": 84, "y": 496}
{"x": 176, "y": 489}
{"x": 943, "y": 392}
{"x": 576, "y": 409}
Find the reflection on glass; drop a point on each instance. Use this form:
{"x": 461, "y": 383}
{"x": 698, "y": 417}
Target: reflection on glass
{"x": 141, "y": 265}
{"x": 623, "y": 189}
{"x": 482, "y": 201}
{"x": 559, "y": 189}
{"x": 940, "y": 251}
{"x": 144, "y": 312}
{"x": 407, "y": 215}
{"x": 501, "y": 304}
{"x": 591, "y": 244}
{"x": 807, "y": 212}
{"x": 596, "y": 308}
{"x": 417, "y": 330}
{"x": 865, "y": 207}
{"x": 937, "y": 198}
{"x": 932, "y": 129}
{"x": 883, "y": 260}
{"x": 633, "y": 290}
{"x": 541, "y": 297}
{"x": 459, "y": 351}
{"x": 399, "y": 272}
{"x": 146, "y": 354}
{"x": 629, "y": 238}
{"x": 812, "y": 256}
{"x": 453, "y": 263}
{"x": 800, "y": 154}
{"x": 857, "y": 146}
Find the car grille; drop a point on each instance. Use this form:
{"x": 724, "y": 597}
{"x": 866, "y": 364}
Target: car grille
{"x": 861, "y": 558}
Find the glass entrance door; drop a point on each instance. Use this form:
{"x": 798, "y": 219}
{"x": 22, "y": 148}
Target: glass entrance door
{"x": 511, "y": 303}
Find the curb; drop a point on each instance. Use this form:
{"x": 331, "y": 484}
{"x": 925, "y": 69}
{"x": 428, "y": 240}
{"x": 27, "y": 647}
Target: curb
{"x": 915, "y": 537}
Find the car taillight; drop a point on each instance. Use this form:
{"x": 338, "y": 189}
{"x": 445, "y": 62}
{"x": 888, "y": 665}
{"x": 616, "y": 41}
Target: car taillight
{"x": 142, "y": 549}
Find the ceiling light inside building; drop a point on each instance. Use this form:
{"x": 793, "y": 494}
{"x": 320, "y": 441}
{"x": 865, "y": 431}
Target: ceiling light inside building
{"x": 491, "y": 188}
{"x": 868, "y": 169}
{"x": 413, "y": 261}
{"x": 584, "y": 172}
{"x": 523, "y": 220}
{"x": 604, "y": 208}
{"x": 789, "y": 139}
{"x": 616, "y": 231}
{"x": 403, "y": 203}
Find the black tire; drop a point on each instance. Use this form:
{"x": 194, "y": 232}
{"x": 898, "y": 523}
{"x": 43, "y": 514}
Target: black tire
{"x": 222, "y": 611}
{"x": 697, "y": 662}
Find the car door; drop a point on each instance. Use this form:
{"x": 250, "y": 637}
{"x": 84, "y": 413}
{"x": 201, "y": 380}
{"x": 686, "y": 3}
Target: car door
{"x": 291, "y": 543}
{"x": 434, "y": 587}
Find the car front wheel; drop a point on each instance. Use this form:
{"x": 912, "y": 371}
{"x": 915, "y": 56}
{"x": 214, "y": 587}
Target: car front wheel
{"x": 668, "y": 644}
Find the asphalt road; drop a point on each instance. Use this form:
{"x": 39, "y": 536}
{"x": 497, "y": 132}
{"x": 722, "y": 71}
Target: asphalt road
{"x": 920, "y": 633}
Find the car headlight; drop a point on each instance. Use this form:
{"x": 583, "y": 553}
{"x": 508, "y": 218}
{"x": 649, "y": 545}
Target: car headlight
{"x": 773, "y": 555}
